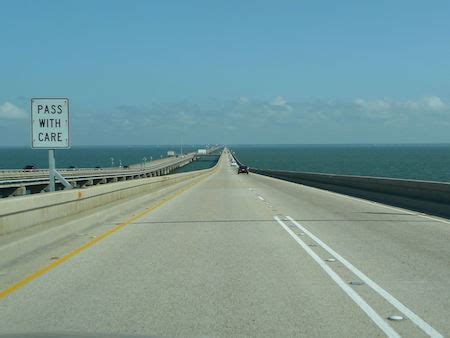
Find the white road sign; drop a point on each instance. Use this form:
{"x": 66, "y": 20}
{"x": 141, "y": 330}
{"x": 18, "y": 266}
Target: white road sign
{"x": 50, "y": 123}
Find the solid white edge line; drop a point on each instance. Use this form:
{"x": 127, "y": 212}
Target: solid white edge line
{"x": 424, "y": 326}
{"x": 409, "y": 212}
{"x": 406, "y": 211}
{"x": 375, "y": 317}
{"x": 434, "y": 218}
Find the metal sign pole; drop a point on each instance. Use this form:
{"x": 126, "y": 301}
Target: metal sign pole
{"x": 54, "y": 174}
{"x": 51, "y": 169}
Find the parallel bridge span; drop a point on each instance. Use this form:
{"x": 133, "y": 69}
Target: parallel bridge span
{"x": 19, "y": 183}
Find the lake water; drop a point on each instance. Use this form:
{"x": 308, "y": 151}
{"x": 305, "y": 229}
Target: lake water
{"x": 422, "y": 162}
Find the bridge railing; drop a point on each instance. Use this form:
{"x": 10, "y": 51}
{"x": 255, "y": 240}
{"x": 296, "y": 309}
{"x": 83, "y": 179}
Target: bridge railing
{"x": 424, "y": 196}
{"x": 54, "y": 209}
{"x": 28, "y": 183}
{"x": 4, "y": 173}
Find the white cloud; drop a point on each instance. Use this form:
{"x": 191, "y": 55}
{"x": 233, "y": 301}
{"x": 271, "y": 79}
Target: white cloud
{"x": 398, "y": 110}
{"x": 243, "y": 100}
{"x": 249, "y": 115}
{"x": 411, "y": 105}
{"x": 434, "y": 103}
{"x": 260, "y": 114}
{"x": 10, "y": 111}
{"x": 374, "y": 105}
{"x": 430, "y": 103}
{"x": 279, "y": 101}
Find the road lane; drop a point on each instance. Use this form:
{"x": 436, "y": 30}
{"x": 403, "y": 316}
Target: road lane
{"x": 214, "y": 262}
{"x": 406, "y": 253}
{"x": 211, "y": 262}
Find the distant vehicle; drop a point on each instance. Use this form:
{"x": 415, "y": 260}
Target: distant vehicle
{"x": 29, "y": 168}
{"x": 97, "y": 167}
{"x": 126, "y": 166}
{"x": 201, "y": 151}
{"x": 243, "y": 169}
{"x": 72, "y": 167}
{"x": 234, "y": 164}
{"x": 171, "y": 153}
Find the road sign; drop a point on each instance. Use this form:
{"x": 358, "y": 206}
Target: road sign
{"x": 50, "y": 123}
{"x": 50, "y": 130}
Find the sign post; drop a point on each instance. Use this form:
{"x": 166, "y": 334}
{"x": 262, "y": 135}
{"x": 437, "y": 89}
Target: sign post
{"x": 50, "y": 130}
{"x": 51, "y": 168}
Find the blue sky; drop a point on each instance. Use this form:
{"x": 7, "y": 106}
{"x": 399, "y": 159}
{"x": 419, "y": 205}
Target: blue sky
{"x": 146, "y": 72}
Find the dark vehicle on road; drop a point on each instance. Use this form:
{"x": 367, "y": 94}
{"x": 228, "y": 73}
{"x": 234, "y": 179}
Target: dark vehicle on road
{"x": 29, "y": 168}
{"x": 243, "y": 169}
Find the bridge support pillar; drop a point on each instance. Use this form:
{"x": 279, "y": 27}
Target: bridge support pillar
{"x": 87, "y": 183}
{"x": 20, "y": 191}
{"x": 102, "y": 181}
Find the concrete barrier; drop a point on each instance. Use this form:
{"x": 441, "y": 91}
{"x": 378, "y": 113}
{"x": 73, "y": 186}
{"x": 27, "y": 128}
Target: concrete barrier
{"x": 423, "y": 196}
{"x": 27, "y": 211}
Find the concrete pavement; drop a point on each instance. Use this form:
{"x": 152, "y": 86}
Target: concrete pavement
{"x": 225, "y": 258}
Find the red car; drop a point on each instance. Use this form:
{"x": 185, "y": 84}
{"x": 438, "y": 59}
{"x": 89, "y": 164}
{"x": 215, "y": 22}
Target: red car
{"x": 243, "y": 169}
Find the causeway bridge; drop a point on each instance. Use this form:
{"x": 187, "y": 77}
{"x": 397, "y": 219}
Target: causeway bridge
{"x": 20, "y": 182}
{"x": 221, "y": 254}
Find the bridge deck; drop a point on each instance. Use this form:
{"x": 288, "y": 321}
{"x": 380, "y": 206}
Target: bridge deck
{"x": 215, "y": 261}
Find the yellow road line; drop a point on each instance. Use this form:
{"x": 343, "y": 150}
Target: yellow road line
{"x": 86, "y": 246}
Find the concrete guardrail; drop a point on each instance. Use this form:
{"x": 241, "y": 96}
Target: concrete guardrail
{"x": 423, "y": 196}
{"x": 26, "y": 211}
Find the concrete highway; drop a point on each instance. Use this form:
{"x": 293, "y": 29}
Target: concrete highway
{"x": 241, "y": 255}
